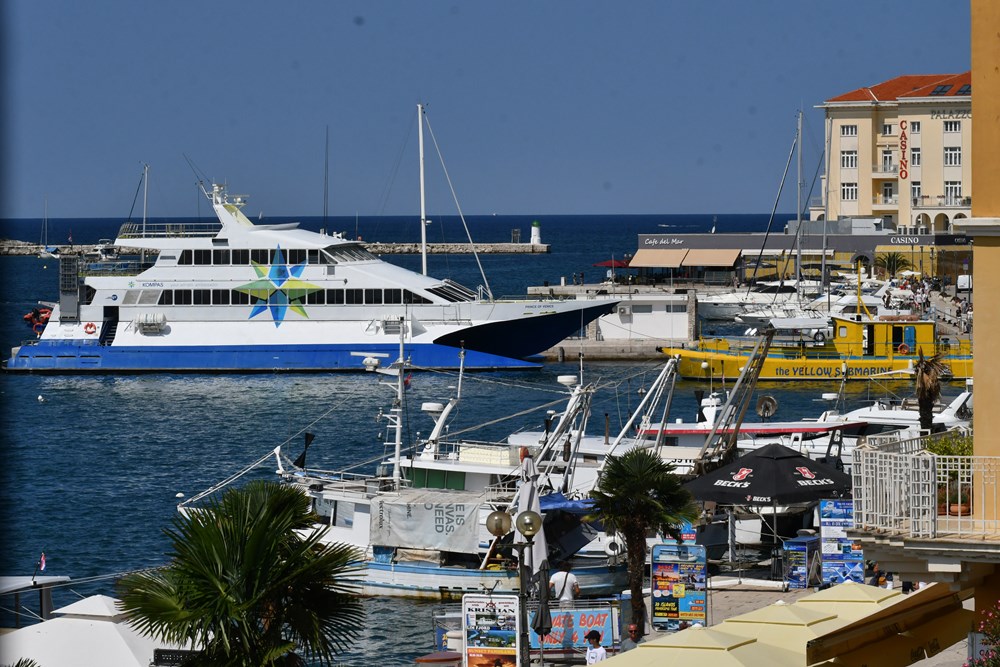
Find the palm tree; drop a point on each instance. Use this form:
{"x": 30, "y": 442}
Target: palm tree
{"x": 892, "y": 262}
{"x": 927, "y": 372}
{"x": 638, "y": 493}
{"x": 250, "y": 583}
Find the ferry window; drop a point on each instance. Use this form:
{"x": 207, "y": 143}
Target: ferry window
{"x": 182, "y": 297}
{"x": 373, "y": 296}
{"x": 203, "y": 297}
{"x": 355, "y": 296}
{"x": 220, "y": 297}
{"x": 296, "y": 256}
{"x": 149, "y": 297}
{"x": 202, "y": 257}
{"x": 166, "y": 298}
{"x": 296, "y": 295}
{"x": 914, "y": 127}
{"x": 220, "y": 257}
{"x": 241, "y": 257}
{"x": 313, "y": 256}
{"x": 131, "y": 297}
{"x": 327, "y": 256}
{"x": 317, "y": 298}
{"x": 410, "y": 297}
{"x": 848, "y": 130}
{"x": 393, "y": 296}
{"x": 842, "y": 332}
{"x": 185, "y": 257}
{"x": 260, "y": 256}
{"x": 334, "y": 296}
{"x": 239, "y": 298}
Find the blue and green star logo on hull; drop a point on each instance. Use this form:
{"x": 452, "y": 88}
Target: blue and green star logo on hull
{"x": 278, "y": 289}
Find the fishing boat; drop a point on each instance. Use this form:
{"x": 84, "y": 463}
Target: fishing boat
{"x": 235, "y": 296}
{"x": 855, "y": 348}
{"x": 424, "y": 542}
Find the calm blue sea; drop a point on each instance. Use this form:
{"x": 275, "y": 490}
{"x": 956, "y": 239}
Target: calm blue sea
{"x": 92, "y": 465}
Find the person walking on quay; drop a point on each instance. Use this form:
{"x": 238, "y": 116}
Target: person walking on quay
{"x": 595, "y": 652}
{"x": 564, "y": 586}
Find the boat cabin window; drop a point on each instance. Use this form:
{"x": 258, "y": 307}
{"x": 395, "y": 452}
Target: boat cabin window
{"x": 392, "y": 296}
{"x": 373, "y": 296}
{"x": 220, "y": 297}
{"x": 202, "y": 297}
{"x": 295, "y": 256}
{"x": 149, "y": 297}
{"x": 260, "y": 256}
{"x": 240, "y": 257}
{"x": 841, "y": 332}
{"x": 220, "y": 257}
{"x": 335, "y": 296}
{"x": 410, "y": 297}
{"x": 355, "y": 297}
{"x": 239, "y": 298}
{"x": 182, "y": 297}
{"x": 131, "y": 297}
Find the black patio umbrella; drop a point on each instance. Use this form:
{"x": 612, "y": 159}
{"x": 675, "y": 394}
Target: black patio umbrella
{"x": 771, "y": 475}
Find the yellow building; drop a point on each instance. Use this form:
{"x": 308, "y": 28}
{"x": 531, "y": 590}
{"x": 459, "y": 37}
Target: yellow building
{"x": 901, "y": 151}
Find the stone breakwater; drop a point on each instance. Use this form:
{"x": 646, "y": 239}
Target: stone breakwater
{"x": 11, "y": 247}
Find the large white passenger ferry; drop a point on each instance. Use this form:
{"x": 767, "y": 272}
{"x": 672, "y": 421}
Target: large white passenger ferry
{"x": 240, "y": 297}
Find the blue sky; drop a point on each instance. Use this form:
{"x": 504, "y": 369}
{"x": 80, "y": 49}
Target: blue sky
{"x": 539, "y": 107}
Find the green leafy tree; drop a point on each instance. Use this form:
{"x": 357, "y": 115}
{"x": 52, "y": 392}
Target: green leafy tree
{"x": 892, "y": 262}
{"x": 927, "y": 372}
{"x": 639, "y": 494}
{"x": 250, "y": 584}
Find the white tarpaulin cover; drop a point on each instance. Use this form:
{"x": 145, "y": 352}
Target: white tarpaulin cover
{"x": 427, "y": 519}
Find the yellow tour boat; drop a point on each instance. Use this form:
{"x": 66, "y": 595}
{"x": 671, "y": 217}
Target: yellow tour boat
{"x": 858, "y": 347}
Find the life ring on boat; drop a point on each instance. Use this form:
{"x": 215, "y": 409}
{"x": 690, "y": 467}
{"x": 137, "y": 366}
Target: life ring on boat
{"x": 903, "y": 348}
{"x": 819, "y": 337}
{"x": 89, "y": 328}
{"x": 38, "y": 328}
{"x": 615, "y": 546}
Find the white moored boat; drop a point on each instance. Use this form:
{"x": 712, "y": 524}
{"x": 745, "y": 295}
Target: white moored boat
{"x": 233, "y": 296}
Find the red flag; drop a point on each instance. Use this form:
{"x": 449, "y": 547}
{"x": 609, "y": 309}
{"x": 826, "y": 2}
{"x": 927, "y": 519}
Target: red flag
{"x": 406, "y": 380}
{"x": 41, "y": 563}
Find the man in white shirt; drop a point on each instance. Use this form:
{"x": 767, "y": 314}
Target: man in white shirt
{"x": 563, "y": 585}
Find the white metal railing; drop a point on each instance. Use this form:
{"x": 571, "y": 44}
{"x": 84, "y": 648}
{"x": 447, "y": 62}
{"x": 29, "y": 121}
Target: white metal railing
{"x": 904, "y": 490}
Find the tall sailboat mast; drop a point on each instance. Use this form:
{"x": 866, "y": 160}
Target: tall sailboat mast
{"x": 798, "y": 209}
{"x": 423, "y": 202}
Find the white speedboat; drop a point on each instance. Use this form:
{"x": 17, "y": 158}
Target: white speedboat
{"x": 235, "y": 296}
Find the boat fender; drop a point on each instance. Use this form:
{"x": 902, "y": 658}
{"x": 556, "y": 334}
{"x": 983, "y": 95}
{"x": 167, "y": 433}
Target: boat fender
{"x": 615, "y": 546}
{"x": 524, "y": 453}
{"x": 89, "y": 328}
{"x": 819, "y": 337}
{"x": 903, "y": 348}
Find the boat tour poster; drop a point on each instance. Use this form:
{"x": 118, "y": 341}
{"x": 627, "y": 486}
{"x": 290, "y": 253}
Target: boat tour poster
{"x": 679, "y": 576}
{"x": 843, "y": 558}
{"x": 489, "y": 623}
{"x": 570, "y": 626}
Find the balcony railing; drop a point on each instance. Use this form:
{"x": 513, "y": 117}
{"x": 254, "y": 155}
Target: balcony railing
{"x": 900, "y": 489}
{"x": 882, "y": 200}
{"x": 885, "y": 168}
{"x": 941, "y": 201}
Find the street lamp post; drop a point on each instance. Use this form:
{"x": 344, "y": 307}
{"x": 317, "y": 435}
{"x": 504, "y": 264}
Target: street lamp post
{"x": 528, "y": 524}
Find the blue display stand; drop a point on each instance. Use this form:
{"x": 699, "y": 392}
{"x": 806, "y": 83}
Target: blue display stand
{"x": 798, "y": 554}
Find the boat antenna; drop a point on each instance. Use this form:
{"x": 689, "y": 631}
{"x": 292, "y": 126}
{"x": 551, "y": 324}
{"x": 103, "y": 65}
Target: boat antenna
{"x": 326, "y": 176}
